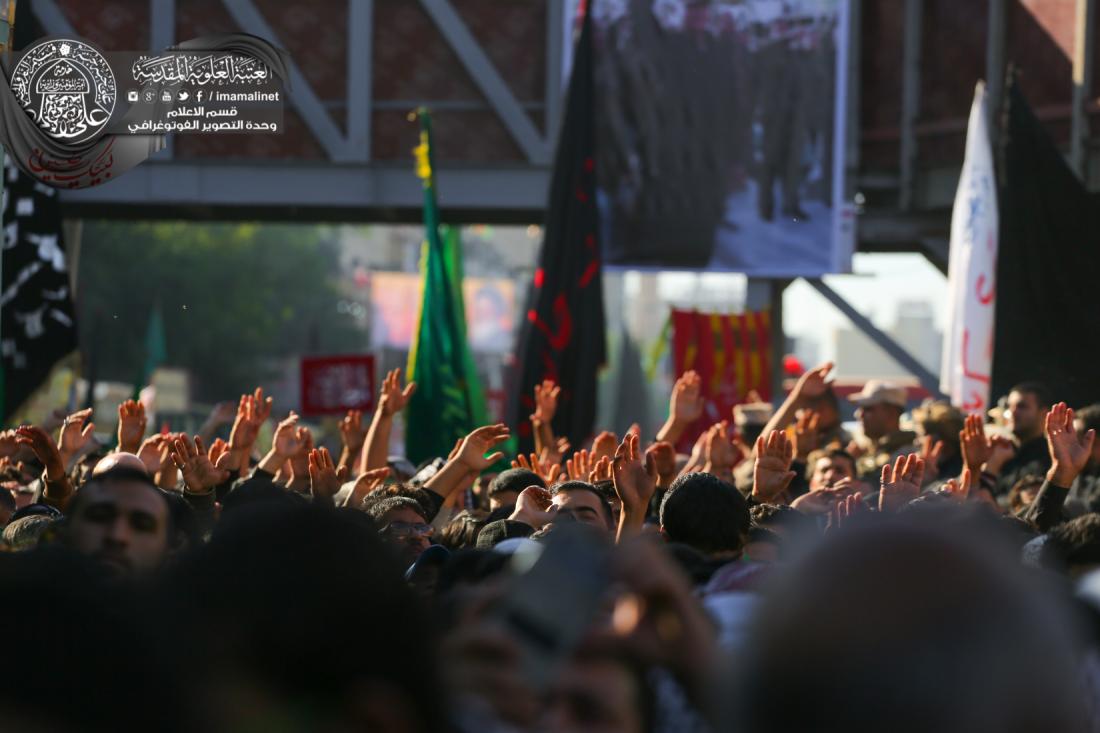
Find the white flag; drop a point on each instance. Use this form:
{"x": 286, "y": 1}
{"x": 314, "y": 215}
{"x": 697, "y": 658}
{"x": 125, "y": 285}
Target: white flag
{"x": 972, "y": 270}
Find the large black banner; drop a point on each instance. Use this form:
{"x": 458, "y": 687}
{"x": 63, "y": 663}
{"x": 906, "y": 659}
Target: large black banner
{"x": 1048, "y": 268}
{"x": 37, "y": 327}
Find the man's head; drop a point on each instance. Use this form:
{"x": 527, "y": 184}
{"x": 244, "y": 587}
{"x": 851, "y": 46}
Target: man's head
{"x": 121, "y": 519}
{"x": 826, "y": 467}
{"x": 827, "y": 407}
{"x": 506, "y": 487}
{"x": 879, "y": 407}
{"x": 402, "y": 524}
{"x": 704, "y": 512}
{"x": 941, "y": 421}
{"x": 1028, "y": 405}
{"x": 583, "y": 502}
{"x": 118, "y": 460}
{"x": 1085, "y": 419}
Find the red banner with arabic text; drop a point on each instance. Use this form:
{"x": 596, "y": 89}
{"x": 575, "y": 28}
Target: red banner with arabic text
{"x": 732, "y": 355}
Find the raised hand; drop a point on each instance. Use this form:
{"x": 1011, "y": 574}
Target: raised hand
{"x": 324, "y": 478}
{"x": 546, "y": 401}
{"x": 217, "y": 449}
{"x": 8, "y": 444}
{"x": 149, "y": 453}
{"x": 976, "y": 446}
{"x": 722, "y": 451}
{"x": 353, "y": 432}
{"x": 604, "y": 445}
{"x": 299, "y": 460}
{"x": 168, "y": 475}
{"x": 394, "y": 398}
{"x": 601, "y": 470}
{"x": 845, "y": 511}
{"x": 75, "y": 434}
{"x": 960, "y": 489}
{"x": 475, "y": 445}
{"x": 252, "y": 412}
{"x": 1068, "y": 453}
{"x": 823, "y": 501}
{"x": 685, "y": 406}
{"x": 772, "y": 475}
{"x": 1001, "y": 452}
{"x": 534, "y": 507}
{"x": 806, "y": 435}
{"x": 900, "y": 483}
{"x": 288, "y": 438}
{"x": 813, "y": 383}
{"x": 635, "y": 480}
{"x": 365, "y": 484}
{"x": 664, "y": 461}
{"x": 930, "y": 452}
{"x": 191, "y": 459}
{"x": 579, "y": 466}
{"x": 131, "y": 426}
{"x": 547, "y": 470}
{"x": 44, "y": 449}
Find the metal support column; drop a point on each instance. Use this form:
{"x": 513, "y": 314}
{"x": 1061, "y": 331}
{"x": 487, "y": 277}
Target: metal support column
{"x": 761, "y": 294}
{"x": 910, "y": 102}
{"x": 928, "y": 380}
{"x": 1082, "y": 86}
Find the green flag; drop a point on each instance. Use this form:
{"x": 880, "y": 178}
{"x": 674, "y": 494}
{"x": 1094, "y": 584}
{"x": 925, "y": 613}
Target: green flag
{"x": 448, "y": 402}
{"x": 156, "y": 349}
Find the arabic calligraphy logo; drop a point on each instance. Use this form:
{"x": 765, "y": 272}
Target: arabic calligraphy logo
{"x": 67, "y": 87}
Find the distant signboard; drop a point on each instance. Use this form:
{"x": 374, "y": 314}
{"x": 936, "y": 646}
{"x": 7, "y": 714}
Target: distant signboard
{"x": 336, "y": 384}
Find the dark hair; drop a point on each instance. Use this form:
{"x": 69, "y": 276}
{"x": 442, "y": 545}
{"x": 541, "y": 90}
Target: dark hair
{"x": 705, "y": 512}
{"x": 1089, "y": 416}
{"x": 817, "y": 455}
{"x": 405, "y": 490}
{"x": 1038, "y": 389}
{"x": 784, "y": 521}
{"x": 1077, "y": 542}
{"x": 390, "y": 503}
{"x": 514, "y": 479}
{"x": 461, "y": 532}
{"x": 566, "y": 487}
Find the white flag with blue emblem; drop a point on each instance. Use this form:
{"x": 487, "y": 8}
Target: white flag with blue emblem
{"x": 972, "y": 271}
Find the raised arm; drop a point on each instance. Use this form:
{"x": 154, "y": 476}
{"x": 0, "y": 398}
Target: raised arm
{"x": 1068, "y": 456}
{"x": 635, "y": 478}
{"x": 470, "y": 457}
{"x": 392, "y": 400}
{"x": 809, "y": 386}
{"x": 685, "y": 406}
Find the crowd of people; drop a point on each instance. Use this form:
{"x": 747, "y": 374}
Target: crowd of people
{"x": 935, "y": 571}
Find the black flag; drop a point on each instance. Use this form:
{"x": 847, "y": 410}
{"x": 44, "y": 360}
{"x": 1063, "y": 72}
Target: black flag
{"x": 37, "y": 327}
{"x": 562, "y": 336}
{"x": 1048, "y": 267}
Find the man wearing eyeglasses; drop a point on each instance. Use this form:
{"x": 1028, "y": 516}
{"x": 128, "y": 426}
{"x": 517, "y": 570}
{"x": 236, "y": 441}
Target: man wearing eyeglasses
{"x": 404, "y": 526}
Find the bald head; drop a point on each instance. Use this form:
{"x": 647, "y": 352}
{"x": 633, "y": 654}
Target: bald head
{"x": 119, "y": 460}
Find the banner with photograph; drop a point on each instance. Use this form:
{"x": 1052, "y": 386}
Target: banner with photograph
{"x": 720, "y": 135}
